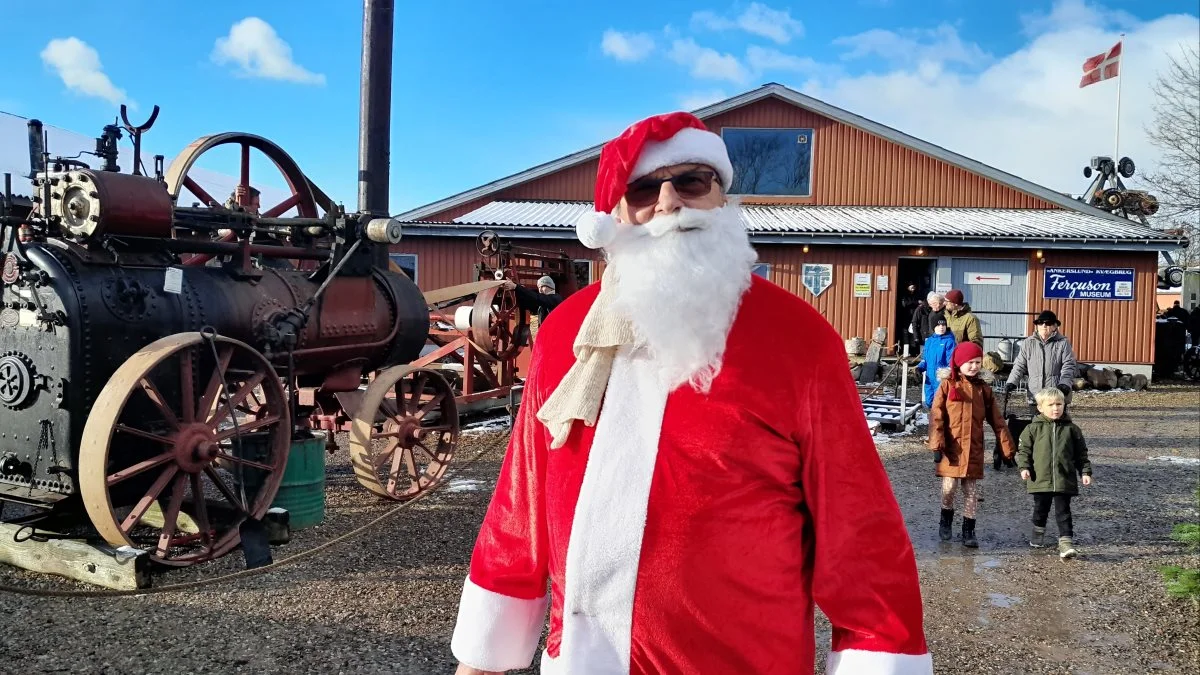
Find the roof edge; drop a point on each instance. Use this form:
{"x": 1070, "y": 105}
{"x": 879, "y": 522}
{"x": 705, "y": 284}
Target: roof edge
{"x": 428, "y": 229}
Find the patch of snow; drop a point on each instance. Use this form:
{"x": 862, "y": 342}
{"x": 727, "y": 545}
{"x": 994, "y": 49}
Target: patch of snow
{"x": 462, "y": 485}
{"x": 922, "y": 419}
{"x": 1098, "y": 392}
{"x": 1190, "y": 461}
{"x": 485, "y": 426}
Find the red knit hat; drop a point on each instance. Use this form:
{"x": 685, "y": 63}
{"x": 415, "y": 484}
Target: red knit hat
{"x": 965, "y": 351}
{"x": 956, "y": 297}
{"x": 645, "y": 147}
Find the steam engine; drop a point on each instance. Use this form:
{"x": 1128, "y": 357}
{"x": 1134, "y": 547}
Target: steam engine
{"x": 106, "y": 265}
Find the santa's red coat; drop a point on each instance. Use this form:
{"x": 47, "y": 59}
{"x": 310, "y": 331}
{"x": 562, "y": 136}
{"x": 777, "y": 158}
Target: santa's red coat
{"x": 692, "y": 533}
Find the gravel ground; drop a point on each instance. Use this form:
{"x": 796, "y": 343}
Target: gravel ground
{"x": 385, "y": 601}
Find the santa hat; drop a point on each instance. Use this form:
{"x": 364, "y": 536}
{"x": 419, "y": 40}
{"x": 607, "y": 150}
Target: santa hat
{"x": 965, "y": 351}
{"x": 643, "y": 148}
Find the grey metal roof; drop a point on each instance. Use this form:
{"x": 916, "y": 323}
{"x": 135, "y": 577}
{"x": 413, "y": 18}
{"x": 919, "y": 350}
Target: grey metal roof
{"x": 796, "y": 98}
{"x": 851, "y": 224}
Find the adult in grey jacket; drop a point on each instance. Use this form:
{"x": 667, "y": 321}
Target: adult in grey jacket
{"x": 1046, "y": 359}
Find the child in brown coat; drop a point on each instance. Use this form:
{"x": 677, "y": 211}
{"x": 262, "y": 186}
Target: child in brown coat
{"x": 962, "y": 404}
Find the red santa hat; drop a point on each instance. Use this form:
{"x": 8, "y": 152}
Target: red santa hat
{"x": 965, "y": 351}
{"x": 645, "y": 147}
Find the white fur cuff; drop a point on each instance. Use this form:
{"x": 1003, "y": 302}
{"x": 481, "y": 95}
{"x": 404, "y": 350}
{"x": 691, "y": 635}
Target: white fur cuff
{"x": 596, "y": 230}
{"x": 688, "y": 146}
{"x": 861, "y": 662}
{"x": 497, "y": 632}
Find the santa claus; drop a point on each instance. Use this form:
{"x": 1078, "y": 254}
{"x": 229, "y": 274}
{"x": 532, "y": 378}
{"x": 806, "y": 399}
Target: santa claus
{"x": 690, "y": 470}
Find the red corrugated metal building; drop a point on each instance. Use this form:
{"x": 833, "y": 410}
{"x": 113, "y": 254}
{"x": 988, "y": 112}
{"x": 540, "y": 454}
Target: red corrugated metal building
{"x": 845, "y": 212}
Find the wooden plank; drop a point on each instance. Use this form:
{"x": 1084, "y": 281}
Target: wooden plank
{"x": 440, "y": 295}
{"x": 124, "y": 569}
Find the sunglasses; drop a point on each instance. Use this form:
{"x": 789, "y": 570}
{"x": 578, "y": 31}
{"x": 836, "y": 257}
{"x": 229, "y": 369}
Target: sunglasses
{"x": 645, "y": 191}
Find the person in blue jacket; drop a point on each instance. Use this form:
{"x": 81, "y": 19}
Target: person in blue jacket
{"x": 936, "y": 355}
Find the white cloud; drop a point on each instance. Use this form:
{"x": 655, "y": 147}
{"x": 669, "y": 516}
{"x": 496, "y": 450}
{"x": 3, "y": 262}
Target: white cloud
{"x": 707, "y": 63}
{"x": 1024, "y": 112}
{"x": 1074, "y": 13}
{"x": 763, "y": 58}
{"x": 258, "y": 50}
{"x": 699, "y": 99}
{"x": 757, "y": 19}
{"x": 941, "y": 45}
{"x": 78, "y": 65}
{"x": 626, "y": 46}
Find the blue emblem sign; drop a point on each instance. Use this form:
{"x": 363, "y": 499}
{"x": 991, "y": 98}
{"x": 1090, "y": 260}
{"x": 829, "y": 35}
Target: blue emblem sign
{"x": 816, "y": 278}
{"x": 1088, "y": 283}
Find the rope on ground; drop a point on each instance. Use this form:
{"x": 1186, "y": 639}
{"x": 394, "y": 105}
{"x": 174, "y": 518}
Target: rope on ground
{"x": 244, "y": 574}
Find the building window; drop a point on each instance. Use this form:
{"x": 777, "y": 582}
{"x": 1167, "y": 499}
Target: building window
{"x": 775, "y": 162}
{"x": 407, "y": 262}
{"x": 763, "y": 270}
{"x": 583, "y": 273}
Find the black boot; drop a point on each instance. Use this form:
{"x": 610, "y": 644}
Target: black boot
{"x": 946, "y": 527}
{"x": 968, "y": 532}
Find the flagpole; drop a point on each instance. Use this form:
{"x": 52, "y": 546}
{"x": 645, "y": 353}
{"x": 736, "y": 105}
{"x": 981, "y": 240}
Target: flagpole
{"x": 1120, "y": 77}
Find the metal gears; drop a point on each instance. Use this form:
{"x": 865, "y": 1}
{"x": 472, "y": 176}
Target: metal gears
{"x": 16, "y": 379}
{"x": 12, "y": 269}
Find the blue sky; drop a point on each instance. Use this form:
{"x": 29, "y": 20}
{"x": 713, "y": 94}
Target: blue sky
{"x": 485, "y": 89}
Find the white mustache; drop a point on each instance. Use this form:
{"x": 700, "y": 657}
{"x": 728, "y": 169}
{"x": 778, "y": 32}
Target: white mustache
{"x": 684, "y": 220}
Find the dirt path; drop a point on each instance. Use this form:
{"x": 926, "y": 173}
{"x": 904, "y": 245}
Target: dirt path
{"x": 386, "y": 602}
{"x": 1007, "y": 608}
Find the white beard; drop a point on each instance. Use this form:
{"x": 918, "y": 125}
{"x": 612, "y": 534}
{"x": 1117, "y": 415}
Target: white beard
{"x": 681, "y": 289}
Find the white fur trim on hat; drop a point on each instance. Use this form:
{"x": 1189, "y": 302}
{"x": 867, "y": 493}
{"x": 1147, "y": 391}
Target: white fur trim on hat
{"x": 688, "y": 146}
{"x": 596, "y": 230}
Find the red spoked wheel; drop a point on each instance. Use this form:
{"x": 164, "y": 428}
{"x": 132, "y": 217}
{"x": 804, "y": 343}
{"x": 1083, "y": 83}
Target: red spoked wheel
{"x": 496, "y": 320}
{"x": 304, "y": 198}
{"x": 404, "y": 435}
{"x": 188, "y": 438}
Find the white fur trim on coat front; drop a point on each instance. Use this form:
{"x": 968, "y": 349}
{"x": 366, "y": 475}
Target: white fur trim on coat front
{"x": 862, "y": 662}
{"x": 609, "y": 521}
{"x": 497, "y": 632}
{"x": 688, "y": 146}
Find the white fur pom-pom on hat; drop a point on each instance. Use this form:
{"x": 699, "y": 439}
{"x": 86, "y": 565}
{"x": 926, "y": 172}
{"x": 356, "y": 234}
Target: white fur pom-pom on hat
{"x": 595, "y": 229}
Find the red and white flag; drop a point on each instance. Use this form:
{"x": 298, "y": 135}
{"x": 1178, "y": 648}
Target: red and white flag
{"x": 1102, "y": 66}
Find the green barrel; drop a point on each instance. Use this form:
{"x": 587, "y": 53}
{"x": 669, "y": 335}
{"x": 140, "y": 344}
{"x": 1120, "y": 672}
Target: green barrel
{"x": 302, "y": 491}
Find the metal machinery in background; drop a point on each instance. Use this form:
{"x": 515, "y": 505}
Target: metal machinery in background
{"x": 1109, "y": 193}
{"x": 153, "y": 355}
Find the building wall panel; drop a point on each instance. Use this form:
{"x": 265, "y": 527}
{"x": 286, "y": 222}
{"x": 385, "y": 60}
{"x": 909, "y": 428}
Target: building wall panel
{"x": 851, "y": 316}
{"x": 1105, "y": 331}
{"x": 854, "y": 168}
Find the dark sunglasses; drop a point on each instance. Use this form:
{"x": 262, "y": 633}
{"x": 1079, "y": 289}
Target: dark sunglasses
{"x": 645, "y": 191}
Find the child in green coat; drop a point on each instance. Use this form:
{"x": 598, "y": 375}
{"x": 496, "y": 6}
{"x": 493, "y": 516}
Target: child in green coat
{"x": 1052, "y": 455}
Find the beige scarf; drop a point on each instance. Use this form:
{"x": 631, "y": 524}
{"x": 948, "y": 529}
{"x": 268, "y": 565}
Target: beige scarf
{"x": 579, "y": 394}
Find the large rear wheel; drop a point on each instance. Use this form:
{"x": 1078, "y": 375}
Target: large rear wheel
{"x": 188, "y": 438}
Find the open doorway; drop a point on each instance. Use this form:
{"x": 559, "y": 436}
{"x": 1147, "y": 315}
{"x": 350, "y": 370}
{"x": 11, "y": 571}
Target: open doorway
{"x": 914, "y": 280}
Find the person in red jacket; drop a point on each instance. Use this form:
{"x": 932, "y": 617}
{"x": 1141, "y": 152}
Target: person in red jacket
{"x": 686, "y": 515}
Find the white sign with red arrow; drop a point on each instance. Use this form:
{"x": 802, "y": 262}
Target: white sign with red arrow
{"x": 987, "y": 278}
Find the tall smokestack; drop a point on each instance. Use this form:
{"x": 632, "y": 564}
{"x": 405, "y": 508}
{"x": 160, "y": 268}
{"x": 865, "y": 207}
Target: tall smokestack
{"x": 375, "y": 107}
{"x": 37, "y": 146}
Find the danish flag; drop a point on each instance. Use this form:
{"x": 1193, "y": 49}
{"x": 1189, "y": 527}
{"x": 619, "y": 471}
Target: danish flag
{"x": 1102, "y": 66}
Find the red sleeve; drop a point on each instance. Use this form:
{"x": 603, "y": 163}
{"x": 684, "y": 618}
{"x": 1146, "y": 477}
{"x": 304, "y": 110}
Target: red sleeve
{"x": 864, "y": 570}
{"x": 503, "y": 606}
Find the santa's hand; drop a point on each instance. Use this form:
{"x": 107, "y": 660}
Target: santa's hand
{"x": 1087, "y": 480}
{"x": 509, "y": 286}
{"x": 1024, "y": 474}
{"x": 464, "y": 669}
